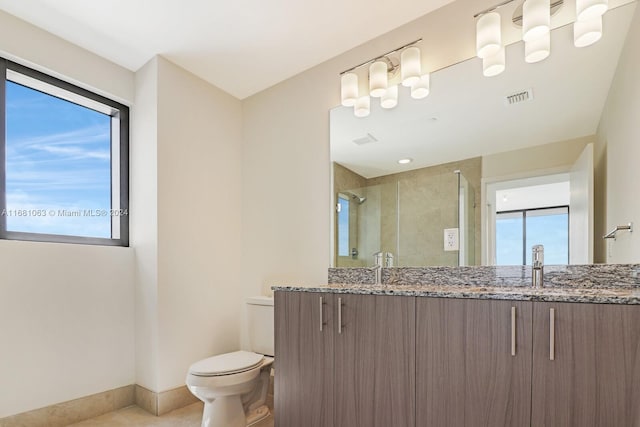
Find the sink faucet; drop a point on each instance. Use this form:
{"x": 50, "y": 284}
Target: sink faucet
{"x": 537, "y": 258}
{"x": 378, "y": 261}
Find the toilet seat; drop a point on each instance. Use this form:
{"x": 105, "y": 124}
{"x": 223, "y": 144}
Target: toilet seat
{"x": 226, "y": 364}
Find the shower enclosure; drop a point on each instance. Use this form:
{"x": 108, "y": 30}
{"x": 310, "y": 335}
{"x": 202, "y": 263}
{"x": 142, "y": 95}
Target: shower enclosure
{"x": 407, "y": 217}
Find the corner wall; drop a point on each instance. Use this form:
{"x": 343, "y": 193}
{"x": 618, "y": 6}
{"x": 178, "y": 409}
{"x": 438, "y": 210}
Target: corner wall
{"x": 618, "y": 148}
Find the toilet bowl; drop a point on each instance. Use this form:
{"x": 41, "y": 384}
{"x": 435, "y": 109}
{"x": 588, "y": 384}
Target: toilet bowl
{"x": 234, "y": 386}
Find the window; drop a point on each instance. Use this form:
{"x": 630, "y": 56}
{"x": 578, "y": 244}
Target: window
{"x": 63, "y": 161}
{"x": 343, "y": 226}
{"x": 517, "y": 231}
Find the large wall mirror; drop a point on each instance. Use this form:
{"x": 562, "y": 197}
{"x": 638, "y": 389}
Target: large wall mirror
{"x": 490, "y": 165}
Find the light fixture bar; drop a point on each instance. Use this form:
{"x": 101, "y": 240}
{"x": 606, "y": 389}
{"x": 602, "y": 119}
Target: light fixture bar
{"x": 493, "y": 8}
{"x": 371, "y": 61}
{"x": 516, "y": 19}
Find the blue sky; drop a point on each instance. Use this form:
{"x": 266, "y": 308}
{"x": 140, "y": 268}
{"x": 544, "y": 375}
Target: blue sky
{"x": 58, "y": 158}
{"x": 551, "y": 231}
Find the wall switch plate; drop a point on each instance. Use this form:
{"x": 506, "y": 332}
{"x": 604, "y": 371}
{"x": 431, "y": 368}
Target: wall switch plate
{"x": 451, "y": 241}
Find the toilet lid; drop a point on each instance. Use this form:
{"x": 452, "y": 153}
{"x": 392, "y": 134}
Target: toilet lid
{"x": 227, "y": 364}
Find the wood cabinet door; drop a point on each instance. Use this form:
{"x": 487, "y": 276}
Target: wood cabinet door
{"x": 303, "y": 359}
{"x": 375, "y": 361}
{"x": 594, "y": 377}
{"x": 466, "y": 373}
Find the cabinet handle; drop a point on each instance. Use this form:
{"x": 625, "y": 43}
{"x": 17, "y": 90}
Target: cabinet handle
{"x": 552, "y": 334}
{"x": 321, "y": 322}
{"x": 513, "y": 331}
{"x": 339, "y": 315}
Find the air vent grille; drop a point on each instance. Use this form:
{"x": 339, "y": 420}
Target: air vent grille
{"x": 519, "y": 97}
{"x": 368, "y": 139}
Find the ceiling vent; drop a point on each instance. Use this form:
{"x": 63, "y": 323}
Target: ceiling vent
{"x": 519, "y": 97}
{"x": 368, "y": 139}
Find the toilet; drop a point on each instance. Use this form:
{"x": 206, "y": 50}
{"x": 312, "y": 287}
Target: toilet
{"x": 234, "y": 386}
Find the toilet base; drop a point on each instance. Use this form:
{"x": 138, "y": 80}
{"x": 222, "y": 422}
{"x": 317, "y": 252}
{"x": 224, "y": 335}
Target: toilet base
{"x": 224, "y": 411}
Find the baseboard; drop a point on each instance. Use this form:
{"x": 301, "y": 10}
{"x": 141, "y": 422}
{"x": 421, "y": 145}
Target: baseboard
{"x": 73, "y": 411}
{"x": 160, "y": 403}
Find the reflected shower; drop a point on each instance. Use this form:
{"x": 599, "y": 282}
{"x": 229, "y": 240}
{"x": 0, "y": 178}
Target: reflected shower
{"x": 355, "y": 197}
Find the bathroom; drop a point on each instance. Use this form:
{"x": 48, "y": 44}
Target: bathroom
{"x": 209, "y": 225}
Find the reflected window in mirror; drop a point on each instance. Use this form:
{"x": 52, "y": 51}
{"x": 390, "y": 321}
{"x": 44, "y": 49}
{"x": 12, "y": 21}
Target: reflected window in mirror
{"x": 343, "y": 225}
{"x": 517, "y": 231}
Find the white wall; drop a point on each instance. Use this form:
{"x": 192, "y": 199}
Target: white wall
{"x": 66, "y": 311}
{"x": 143, "y": 192}
{"x": 620, "y": 134}
{"x": 199, "y": 222}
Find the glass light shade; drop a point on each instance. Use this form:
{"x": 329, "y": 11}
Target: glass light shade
{"x": 410, "y": 66}
{"x": 494, "y": 64}
{"x": 378, "y": 79}
{"x": 362, "y": 107}
{"x": 488, "y": 35}
{"x": 421, "y": 88}
{"x": 349, "y": 89}
{"x": 588, "y": 32}
{"x": 587, "y": 10}
{"x": 536, "y": 19}
{"x": 390, "y": 97}
{"x": 538, "y": 49}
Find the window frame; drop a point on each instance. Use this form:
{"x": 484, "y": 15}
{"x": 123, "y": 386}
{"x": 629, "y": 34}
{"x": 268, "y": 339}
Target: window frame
{"x": 118, "y": 110}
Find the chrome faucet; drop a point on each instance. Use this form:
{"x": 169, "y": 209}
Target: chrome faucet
{"x": 537, "y": 260}
{"x": 378, "y": 261}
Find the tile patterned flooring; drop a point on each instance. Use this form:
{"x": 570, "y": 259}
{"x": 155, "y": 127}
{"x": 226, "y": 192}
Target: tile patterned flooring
{"x": 189, "y": 416}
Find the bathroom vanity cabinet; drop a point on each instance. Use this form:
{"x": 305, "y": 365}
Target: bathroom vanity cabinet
{"x": 454, "y": 362}
{"x": 344, "y": 360}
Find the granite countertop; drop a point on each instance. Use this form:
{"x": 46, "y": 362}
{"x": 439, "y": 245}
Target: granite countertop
{"x": 603, "y": 296}
{"x": 603, "y": 284}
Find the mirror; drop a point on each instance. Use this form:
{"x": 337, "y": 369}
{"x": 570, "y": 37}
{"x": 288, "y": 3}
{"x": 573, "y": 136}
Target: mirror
{"x": 497, "y": 164}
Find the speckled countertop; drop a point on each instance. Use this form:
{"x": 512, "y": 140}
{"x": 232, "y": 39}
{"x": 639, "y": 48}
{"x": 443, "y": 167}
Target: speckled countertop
{"x": 603, "y": 284}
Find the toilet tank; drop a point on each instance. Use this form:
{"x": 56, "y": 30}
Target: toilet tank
{"x": 260, "y": 324}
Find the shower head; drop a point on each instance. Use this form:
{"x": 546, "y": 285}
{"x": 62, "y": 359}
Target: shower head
{"x": 355, "y": 197}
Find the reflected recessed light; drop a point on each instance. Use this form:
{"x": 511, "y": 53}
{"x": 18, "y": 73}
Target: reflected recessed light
{"x": 405, "y": 161}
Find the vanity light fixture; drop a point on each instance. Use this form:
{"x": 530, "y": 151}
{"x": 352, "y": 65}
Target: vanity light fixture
{"x": 410, "y": 66}
{"x": 362, "y": 107}
{"x": 390, "y": 97}
{"x": 421, "y": 88}
{"x": 378, "y": 80}
{"x": 538, "y": 49}
{"x": 494, "y": 64}
{"x": 488, "y": 35}
{"x": 349, "y": 89}
{"x": 534, "y": 16}
{"x": 384, "y": 79}
{"x": 536, "y": 19}
{"x": 586, "y": 33}
{"x": 586, "y": 10}
{"x": 405, "y": 161}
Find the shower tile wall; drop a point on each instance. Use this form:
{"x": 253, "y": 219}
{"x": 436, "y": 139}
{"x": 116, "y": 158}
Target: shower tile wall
{"x": 428, "y": 204}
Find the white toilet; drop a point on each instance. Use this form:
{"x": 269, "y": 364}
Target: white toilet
{"x": 234, "y": 386}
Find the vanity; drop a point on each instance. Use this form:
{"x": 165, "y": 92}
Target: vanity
{"x": 493, "y": 351}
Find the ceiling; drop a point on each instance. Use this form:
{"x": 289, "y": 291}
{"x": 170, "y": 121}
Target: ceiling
{"x": 240, "y": 46}
{"x": 465, "y": 114}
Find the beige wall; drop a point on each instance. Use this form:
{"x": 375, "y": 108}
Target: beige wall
{"x": 66, "y": 311}
{"x": 619, "y": 134}
{"x": 552, "y": 157}
{"x": 199, "y": 224}
{"x": 143, "y": 237}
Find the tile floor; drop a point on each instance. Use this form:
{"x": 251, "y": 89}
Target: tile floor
{"x": 189, "y": 416}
